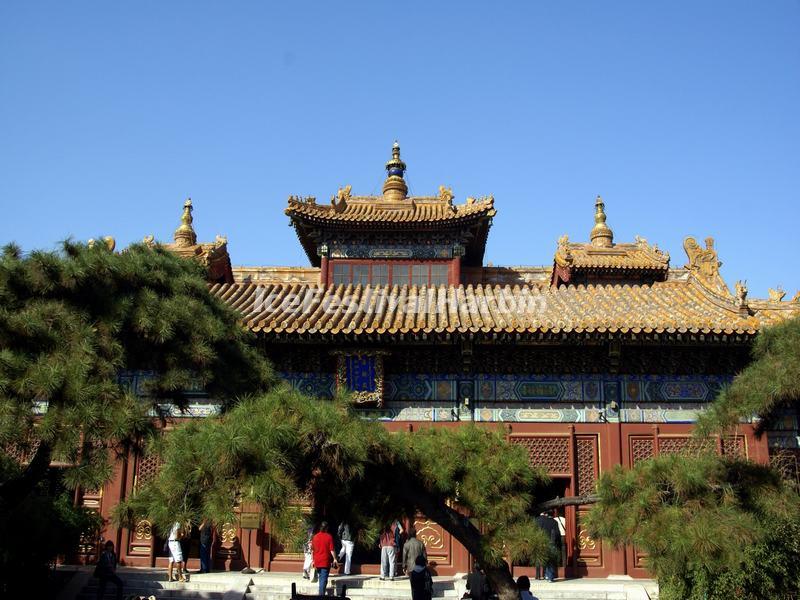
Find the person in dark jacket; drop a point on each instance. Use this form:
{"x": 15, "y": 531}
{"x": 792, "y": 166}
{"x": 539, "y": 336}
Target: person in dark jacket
{"x": 550, "y": 527}
{"x": 412, "y": 550}
{"x": 205, "y": 546}
{"x": 105, "y": 571}
{"x": 421, "y": 580}
{"x": 476, "y": 583}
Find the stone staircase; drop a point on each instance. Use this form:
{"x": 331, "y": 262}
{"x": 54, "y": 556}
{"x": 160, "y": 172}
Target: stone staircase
{"x": 153, "y": 582}
{"x": 273, "y": 586}
{"x": 277, "y": 586}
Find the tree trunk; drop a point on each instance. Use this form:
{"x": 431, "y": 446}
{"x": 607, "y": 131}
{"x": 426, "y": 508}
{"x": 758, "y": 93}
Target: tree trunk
{"x": 568, "y": 501}
{"x": 467, "y": 534}
{"x": 14, "y": 491}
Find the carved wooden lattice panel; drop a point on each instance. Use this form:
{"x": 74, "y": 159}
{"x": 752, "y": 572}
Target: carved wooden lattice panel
{"x": 590, "y": 550}
{"x": 686, "y": 446}
{"x": 639, "y": 558}
{"x": 734, "y": 446}
{"x": 147, "y": 467}
{"x": 787, "y": 462}
{"x": 586, "y": 457}
{"x": 92, "y": 499}
{"x": 642, "y": 448}
{"x": 141, "y": 539}
{"x": 549, "y": 452}
{"x": 22, "y": 452}
{"x": 435, "y": 539}
{"x": 228, "y": 541}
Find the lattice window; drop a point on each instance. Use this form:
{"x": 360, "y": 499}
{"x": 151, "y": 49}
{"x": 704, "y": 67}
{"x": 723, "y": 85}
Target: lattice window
{"x": 734, "y": 446}
{"x": 686, "y": 446}
{"x": 787, "y": 463}
{"x": 586, "y": 454}
{"x": 23, "y": 452}
{"x": 147, "y": 467}
{"x": 642, "y": 448}
{"x": 551, "y": 453}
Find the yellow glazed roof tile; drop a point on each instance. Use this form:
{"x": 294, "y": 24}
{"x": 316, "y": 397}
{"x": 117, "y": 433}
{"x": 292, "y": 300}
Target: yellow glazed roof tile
{"x": 669, "y": 306}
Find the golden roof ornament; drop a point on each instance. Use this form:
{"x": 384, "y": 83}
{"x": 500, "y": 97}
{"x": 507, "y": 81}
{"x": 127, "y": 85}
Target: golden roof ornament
{"x": 741, "y": 292}
{"x": 776, "y": 295}
{"x": 563, "y": 256}
{"x": 339, "y": 201}
{"x": 184, "y": 235}
{"x": 109, "y": 242}
{"x": 601, "y": 235}
{"x": 446, "y": 194}
{"x": 704, "y": 265}
{"x": 395, "y": 188}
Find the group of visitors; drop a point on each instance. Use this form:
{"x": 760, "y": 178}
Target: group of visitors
{"x": 552, "y": 527}
{"x": 105, "y": 570}
{"x": 320, "y": 557}
{"x": 176, "y": 546}
{"x": 394, "y": 542}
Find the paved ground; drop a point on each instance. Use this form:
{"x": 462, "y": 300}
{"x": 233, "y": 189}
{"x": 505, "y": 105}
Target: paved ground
{"x": 276, "y": 586}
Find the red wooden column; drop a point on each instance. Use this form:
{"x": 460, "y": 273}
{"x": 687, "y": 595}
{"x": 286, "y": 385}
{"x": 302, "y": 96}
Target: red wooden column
{"x": 323, "y": 271}
{"x": 455, "y": 271}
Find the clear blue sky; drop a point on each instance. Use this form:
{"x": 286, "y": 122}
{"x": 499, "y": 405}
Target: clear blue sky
{"x": 684, "y": 116}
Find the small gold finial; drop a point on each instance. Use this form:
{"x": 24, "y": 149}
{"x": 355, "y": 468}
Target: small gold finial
{"x": 601, "y": 235}
{"x": 395, "y": 188}
{"x": 184, "y": 234}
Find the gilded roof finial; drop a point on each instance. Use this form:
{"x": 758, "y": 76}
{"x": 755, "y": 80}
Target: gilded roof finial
{"x": 184, "y": 234}
{"x": 601, "y": 235}
{"x": 395, "y": 188}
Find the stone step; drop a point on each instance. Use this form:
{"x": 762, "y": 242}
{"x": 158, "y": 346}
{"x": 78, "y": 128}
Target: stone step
{"x": 111, "y": 592}
{"x": 366, "y": 585}
{"x": 167, "y": 585}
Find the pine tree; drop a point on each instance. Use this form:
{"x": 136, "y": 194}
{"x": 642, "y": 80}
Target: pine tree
{"x": 277, "y": 448}
{"x": 712, "y": 528}
{"x": 72, "y": 321}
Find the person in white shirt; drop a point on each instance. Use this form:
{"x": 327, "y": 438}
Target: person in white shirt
{"x": 175, "y": 552}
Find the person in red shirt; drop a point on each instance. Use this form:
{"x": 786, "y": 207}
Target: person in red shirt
{"x": 324, "y": 555}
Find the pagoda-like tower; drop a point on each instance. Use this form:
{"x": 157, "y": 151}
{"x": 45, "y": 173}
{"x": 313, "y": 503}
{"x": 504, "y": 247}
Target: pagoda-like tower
{"x": 394, "y": 238}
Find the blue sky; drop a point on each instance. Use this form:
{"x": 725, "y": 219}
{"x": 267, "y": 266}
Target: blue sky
{"x": 682, "y": 115}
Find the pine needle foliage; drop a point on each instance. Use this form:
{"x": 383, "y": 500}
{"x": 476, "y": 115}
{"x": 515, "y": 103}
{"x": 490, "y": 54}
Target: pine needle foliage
{"x": 769, "y": 384}
{"x": 73, "y": 319}
{"x": 712, "y": 528}
{"x": 278, "y": 448}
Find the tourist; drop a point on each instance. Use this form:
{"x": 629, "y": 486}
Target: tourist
{"x": 346, "y": 537}
{"x": 205, "y": 546}
{"x": 412, "y": 549}
{"x": 550, "y": 527}
{"x": 308, "y": 557}
{"x": 562, "y": 529}
{"x": 387, "y": 546}
{"x": 421, "y": 580}
{"x": 399, "y": 539}
{"x": 324, "y": 555}
{"x": 524, "y": 587}
{"x": 175, "y": 553}
{"x": 105, "y": 571}
{"x": 477, "y": 586}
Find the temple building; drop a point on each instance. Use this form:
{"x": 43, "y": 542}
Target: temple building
{"x": 602, "y": 357}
